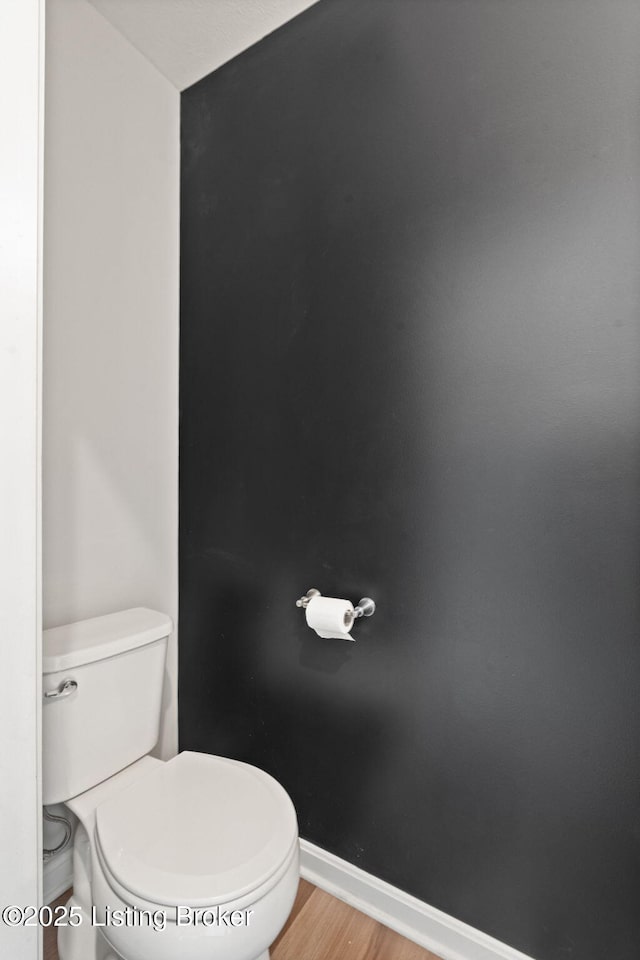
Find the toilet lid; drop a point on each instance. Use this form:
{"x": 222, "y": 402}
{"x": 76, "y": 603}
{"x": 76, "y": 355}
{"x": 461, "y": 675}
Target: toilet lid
{"x": 196, "y": 831}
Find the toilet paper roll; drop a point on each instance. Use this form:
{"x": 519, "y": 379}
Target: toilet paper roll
{"x": 330, "y": 617}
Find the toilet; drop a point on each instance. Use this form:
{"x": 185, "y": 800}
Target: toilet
{"x": 195, "y": 858}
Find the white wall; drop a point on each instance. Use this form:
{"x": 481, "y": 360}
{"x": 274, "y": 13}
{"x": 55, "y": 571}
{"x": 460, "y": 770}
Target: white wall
{"x": 110, "y": 432}
{"x": 21, "y": 76}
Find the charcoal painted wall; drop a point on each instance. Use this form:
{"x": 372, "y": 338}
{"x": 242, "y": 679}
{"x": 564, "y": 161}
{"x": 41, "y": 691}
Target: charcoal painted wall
{"x": 410, "y": 345}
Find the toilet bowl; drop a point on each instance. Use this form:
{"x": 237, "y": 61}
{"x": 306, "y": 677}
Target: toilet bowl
{"x": 195, "y": 858}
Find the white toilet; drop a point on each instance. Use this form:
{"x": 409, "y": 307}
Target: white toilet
{"x": 193, "y": 859}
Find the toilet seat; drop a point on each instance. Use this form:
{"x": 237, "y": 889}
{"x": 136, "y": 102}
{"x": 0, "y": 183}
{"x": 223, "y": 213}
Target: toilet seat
{"x": 197, "y": 831}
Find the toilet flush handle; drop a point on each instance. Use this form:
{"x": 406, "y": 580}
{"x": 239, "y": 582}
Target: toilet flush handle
{"x": 64, "y": 689}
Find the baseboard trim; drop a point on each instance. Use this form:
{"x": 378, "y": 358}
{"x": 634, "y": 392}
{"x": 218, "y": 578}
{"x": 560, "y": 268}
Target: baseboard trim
{"x": 430, "y": 928}
{"x": 57, "y": 875}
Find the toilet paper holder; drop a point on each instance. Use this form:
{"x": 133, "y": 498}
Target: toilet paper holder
{"x": 366, "y": 607}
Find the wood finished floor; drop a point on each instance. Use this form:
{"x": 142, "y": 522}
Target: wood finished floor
{"x": 319, "y": 928}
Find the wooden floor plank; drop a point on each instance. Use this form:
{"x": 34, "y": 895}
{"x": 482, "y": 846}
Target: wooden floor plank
{"x": 305, "y": 889}
{"x": 325, "y": 928}
{"x": 320, "y": 927}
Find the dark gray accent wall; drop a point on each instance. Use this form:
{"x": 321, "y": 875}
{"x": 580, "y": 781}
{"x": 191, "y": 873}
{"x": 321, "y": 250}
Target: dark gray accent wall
{"x": 410, "y": 344}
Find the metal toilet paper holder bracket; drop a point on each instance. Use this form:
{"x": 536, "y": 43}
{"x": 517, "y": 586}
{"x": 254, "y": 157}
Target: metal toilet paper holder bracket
{"x": 366, "y": 607}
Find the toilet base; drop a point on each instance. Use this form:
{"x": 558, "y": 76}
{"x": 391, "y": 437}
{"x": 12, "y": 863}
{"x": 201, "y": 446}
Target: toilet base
{"x": 113, "y": 956}
{"x": 263, "y": 956}
{"x": 85, "y": 942}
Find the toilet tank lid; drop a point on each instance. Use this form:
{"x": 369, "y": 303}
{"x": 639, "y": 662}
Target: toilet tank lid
{"x": 86, "y": 641}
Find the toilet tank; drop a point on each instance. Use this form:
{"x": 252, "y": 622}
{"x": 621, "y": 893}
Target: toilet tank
{"x": 102, "y": 690}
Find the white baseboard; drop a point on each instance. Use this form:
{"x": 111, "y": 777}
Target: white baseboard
{"x": 57, "y": 875}
{"x": 431, "y": 928}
